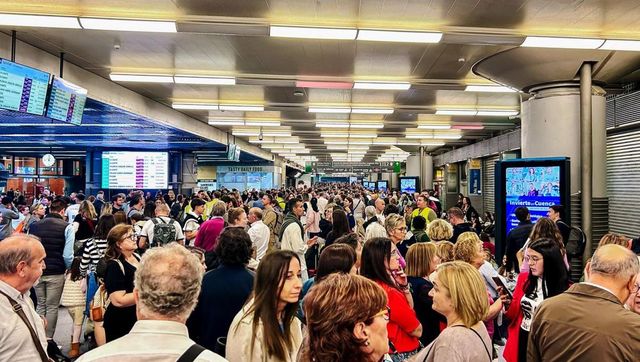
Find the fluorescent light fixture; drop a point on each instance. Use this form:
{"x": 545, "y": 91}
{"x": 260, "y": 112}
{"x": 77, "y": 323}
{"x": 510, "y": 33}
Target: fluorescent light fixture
{"x": 325, "y": 85}
{"x": 563, "y": 43}
{"x": 489, "y": 88}
{"x": 262, "y": 123}
{"x": 448, "y": 136}
{"x": 284, "y": 145}
{"x": 312, "y": 32}
{"x": 193, "y": 79}
{"x": 40, "y": 21}
{"x": 332, "y": 125}
{"x": 334, "y": 135}
{"x": 195, "y": 106}
{"x": 456, "y": 112}
{"x": 226, "y": 122}
{"x": 146, "y": 78}
{"x": 346, "y": 147}
{"x": 382, "y": 85}
{"x": 399, "y": 36}
{"x": 244, "y": 108}
{"x": 432, "y": 144}
{"x": 363, "y": 135}
{"x": 152, "y": 26}
{"x": 316, "y": 109}
{"x": 419, "y": 135}
{"x": 629, "y": 45}
{"x": 276, "y": 134}
{"x": 408, "y": 143}
{"x": 355, "y": 142}
{"x": 345, "y": 142}
{"x": 246, "y": 133}
{"x": 367, "y": 125}
{"x": 268, "y": 140}
{"x": 372, "y": 110}
{"x": 434, "y": 126}
{"x": 505, "y": 113}
{"x": 468, "y": 126}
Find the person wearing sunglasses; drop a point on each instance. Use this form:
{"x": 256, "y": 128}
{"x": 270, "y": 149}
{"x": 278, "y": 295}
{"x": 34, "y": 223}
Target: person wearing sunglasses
{"x": 122, "y": 264}
{"x": 347, "y": 318}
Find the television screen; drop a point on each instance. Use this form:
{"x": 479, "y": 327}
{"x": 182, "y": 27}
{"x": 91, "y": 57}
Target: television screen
{"x": 66, "y": 101}
{"x": 140, "y": 170}
{"x": 536, "y": 187}
{"x": 22, "y": 88}
{"x": 408, "y": 184}
{"x": 233, "y": 152}
{"x": 382, "y": 185}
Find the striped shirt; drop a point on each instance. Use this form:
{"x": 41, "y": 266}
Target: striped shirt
{"x": 93, "y": 251}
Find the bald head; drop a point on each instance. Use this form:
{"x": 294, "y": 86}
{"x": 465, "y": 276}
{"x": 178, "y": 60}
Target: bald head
{"x": 380, "y": 204}
{"x": 21, "y": 261}
{"x": 162, "y": 210}
{"x": 615, "y": 262}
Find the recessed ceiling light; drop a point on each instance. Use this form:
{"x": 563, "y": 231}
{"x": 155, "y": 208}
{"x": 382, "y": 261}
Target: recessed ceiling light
{"x": 312, "y": 32}
{"x": 40, "y": 21}
{"x": 382, "y": 85}
{"x": 563, "y": 43}
{"x": 626, "y": 45}
{"x": 434, "y": 126}
{"x": 148, "y": 78}
{"x": 262, "y": 123}
{"x": 399, "y": 36}
{"x": 332, "y": 125}
{"x": 456, "y": 112}
{"x": 372, "y": 110}
{"x": 206, "y": 80}
{"x": 224, "y": 122}
{"x": 128, "y": 25}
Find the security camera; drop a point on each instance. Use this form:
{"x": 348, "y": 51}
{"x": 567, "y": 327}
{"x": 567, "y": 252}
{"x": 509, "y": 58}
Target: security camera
{"x": 260, "y": 137}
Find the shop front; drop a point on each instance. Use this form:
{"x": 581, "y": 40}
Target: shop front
{"x": 30, "y": 175}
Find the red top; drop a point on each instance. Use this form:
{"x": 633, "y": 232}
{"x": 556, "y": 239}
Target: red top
{"x": 402, "y": 321}
{"x": 208, "y": 232}
{"x": 514, "y": 315}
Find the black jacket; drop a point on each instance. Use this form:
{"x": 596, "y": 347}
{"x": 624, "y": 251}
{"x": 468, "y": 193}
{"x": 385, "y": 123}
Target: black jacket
{"x": 515, "y": 241}
{"x": 463, "y": 227}
{"x": 51, "y": 230}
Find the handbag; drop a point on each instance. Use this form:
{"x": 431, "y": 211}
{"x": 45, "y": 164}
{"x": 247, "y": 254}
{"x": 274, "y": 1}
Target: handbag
{"x": 98, "y": 305}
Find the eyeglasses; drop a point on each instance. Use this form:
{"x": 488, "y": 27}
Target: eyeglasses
{"x": 385, "y": 313}
{"x": 637, "y": 289}
{"x": 534, "y": 259}
{"x": 130, "y": 237}
{"x": 402, "y": 229}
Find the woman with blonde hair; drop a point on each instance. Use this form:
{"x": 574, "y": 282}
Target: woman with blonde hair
{"x": 459, "y": 294}
{"x": 396, "y": 227}
{"x": 346, "y": 320}
{"x": 439, "y": 230}
{"x": 445, "y": 251}
{"x": 422, "y": 260}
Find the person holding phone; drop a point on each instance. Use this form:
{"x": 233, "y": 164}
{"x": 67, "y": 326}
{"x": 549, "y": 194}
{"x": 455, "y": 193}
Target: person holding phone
{"x": 547, "y": 277}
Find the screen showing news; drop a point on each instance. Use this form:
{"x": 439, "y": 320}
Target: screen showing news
{"x": 537, "y": 188}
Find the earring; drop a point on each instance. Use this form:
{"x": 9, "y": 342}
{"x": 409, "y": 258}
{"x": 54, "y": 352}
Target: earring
{"x": 366, "y": 343}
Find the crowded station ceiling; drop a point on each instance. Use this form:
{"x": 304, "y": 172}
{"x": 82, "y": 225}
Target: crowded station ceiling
{"x": 339, "y": 80}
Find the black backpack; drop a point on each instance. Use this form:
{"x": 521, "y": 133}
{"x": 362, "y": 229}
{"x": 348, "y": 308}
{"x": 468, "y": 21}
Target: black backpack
{"x": 163, "y": 232}
{"x": 575, "y": 243}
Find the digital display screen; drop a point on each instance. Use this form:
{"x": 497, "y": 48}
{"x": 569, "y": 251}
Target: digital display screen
{"x": 233, "y": 152}
{"x": 537, "y": 188}
{"x": 66, "y": 102}
{"x": 22, "y": 88}
{"x": 408, "y": 184}
{"x": 140, "y": 170}
{"x": 382, "y": 185}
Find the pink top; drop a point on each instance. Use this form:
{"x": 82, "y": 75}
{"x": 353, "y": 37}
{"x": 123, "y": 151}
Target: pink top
{"x": 313, "y": 221}
{"x": 208, "y": 233}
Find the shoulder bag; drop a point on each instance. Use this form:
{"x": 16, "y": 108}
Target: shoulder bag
{"x": 18, "y": 309}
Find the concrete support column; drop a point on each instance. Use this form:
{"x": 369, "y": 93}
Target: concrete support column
{"x": 551, "y": 128}
{"x": 426, "y": 178}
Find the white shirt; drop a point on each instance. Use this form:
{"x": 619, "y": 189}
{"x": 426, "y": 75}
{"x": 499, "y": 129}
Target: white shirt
{"x": 322, "y": 204}
{"x": 260, "y": 234}
{"x": 72, "y": 211}
{"x": 15, "y": 340}
{"x": 147, "y": 229}
{"x": 529, "y": 304}
{"x": 292, "y": 240}
{"x": 149, "y": 340}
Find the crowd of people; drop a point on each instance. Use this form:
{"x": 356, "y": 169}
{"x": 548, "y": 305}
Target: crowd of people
{"x": 332, "y": 272}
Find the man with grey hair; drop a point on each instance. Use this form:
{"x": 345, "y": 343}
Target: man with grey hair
{"x": 167, "y": 285}
{"x": 259, "y": 233}
{"x": 588, "y": 322}
{"x": 22, "y": 334}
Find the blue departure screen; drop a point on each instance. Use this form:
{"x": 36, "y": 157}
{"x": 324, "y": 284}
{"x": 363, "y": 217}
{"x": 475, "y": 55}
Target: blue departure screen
{"x": 22, "y": 88}
{"x": 537, "y": 188}
{"x": 66, "y": 102}
{"x": 408, "y": 185}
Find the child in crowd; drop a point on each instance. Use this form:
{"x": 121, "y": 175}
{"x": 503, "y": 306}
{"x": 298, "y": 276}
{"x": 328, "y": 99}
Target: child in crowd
{"x": 73, "y": 298}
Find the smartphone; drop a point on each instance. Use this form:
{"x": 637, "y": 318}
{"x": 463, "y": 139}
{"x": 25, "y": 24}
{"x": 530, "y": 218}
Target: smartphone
{"x": 499, "y": 283}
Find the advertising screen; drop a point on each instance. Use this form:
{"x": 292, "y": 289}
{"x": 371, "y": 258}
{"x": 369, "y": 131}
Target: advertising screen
{"x": 22, "y": 88}
{"x": 408, "y": 184}
{"x": 537, "y": 188}
{"x": 66, "y": 101}
{"x": 382, "y": 185}
{"x": 140, "y": 170}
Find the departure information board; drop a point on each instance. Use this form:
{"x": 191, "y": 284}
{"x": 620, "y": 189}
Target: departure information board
{"x": 22, "y": 88}
{"x": 66, "y": 101}
{"x": 139, "y": 170}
